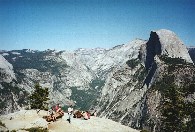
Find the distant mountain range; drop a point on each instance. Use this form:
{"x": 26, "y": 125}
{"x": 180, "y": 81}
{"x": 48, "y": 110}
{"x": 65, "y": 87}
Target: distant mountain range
{"x": 72, "y": 77}
{"x": 123, "y": 83}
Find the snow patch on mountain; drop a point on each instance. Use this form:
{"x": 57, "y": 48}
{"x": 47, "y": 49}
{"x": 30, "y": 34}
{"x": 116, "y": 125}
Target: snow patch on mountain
{"x": 5, "y": 54}
{"x": 15, "y": 53}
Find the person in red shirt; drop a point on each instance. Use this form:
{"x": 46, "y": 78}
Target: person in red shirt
{"x": 88, "y": 114}
{"x": 58, "y": 109}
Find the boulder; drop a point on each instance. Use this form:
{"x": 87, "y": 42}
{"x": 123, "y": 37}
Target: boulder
{"x": 24, "y": 119}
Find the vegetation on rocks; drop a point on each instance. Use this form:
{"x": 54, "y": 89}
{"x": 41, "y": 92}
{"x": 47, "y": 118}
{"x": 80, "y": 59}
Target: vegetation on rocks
{"x": 143, "y": 131}
{"x": 133, "y": 63}
{"x": 175, "y": 63}
{"x": 2, "y": 124}
{"x": 177, "y": 113}
{"x": 177, "y": 110}
{"x": 37, "y": 129}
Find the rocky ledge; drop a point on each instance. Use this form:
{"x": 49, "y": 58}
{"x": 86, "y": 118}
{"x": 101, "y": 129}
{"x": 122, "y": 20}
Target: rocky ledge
{"x": 27, "y": 119}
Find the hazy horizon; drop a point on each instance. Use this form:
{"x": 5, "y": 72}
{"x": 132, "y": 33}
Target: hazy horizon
{"x": 73, "y": 24}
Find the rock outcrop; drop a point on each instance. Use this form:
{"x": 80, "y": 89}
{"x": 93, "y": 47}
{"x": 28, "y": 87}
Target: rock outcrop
{"x": 24, "y": 119}
{"x": 172, "y": 46}
{"x": 165, "y": 42}
{"x": 129, "y": 95}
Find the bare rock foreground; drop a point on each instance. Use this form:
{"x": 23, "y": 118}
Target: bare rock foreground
{"x": 25, "y": 119}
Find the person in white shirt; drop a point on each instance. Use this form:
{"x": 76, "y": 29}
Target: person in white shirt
{"x": 70, "y": 111}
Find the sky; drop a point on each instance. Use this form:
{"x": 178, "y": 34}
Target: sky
{"x": 72, "y": 24}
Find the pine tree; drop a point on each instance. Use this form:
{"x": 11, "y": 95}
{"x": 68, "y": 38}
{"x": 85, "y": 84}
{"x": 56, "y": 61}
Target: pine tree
{"x": 39, "y": 98}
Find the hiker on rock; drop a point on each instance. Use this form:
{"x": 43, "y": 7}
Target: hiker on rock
{"x": 70, "y": 111}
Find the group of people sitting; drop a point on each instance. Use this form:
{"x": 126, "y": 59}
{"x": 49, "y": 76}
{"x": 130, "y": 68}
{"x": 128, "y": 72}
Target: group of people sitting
{"x": 83, "y": 114}
{"x": 54, "y": 113}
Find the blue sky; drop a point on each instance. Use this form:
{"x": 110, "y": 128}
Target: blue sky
{"x": 72, "y": 24}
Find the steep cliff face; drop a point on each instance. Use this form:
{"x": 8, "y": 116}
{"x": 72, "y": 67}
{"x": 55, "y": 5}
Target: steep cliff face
{"x": 122, "y": 97}
{"x": 11, "y": 96}
{"x": 170, "y": 99}
{"x": 6, "y": 70}
{"x": 129, "y": 95}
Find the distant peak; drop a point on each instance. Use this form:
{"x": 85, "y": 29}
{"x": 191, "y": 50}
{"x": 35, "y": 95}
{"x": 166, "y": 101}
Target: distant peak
{"x": 164, "y": 31}
{"x": 89, "y": 49}
{"x": 166, "y": 42}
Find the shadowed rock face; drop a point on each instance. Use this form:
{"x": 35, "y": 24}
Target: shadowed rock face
{"x": 153, "y": 47}
{"x": 164, "y": 42}
{"x": 191, "y": 51}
